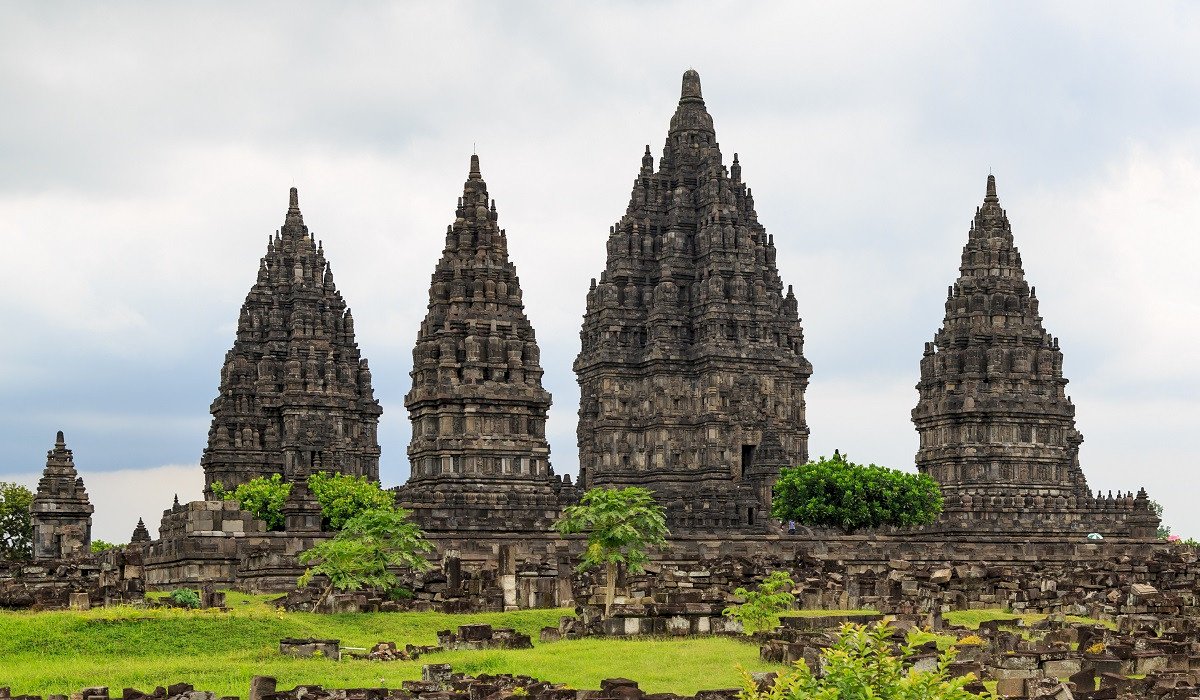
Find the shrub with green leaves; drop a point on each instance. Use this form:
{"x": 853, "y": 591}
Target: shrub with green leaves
{"x": 99, "y": 546}
{"x": 363, "y": 552}
{"x": 262, "y": 497}
{"x": 861, "y": 665}
{"x": 837, "y": 493}
{"x": 185, "y": 597}
{"x": 761, "y": 605}
{"x": 621, "y": 524}
{"x": 342, "y": 497}
{"x": 16, "y": 523}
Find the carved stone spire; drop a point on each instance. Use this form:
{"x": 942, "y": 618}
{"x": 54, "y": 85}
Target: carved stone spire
{"x": 996, "y": 425}
{"x": 690, "y": 350}
{"x": 140, "y": 533}
{"x": 295, "y": 391}
{"x": 61, "y": 510}
{"x": 478, "y": 452}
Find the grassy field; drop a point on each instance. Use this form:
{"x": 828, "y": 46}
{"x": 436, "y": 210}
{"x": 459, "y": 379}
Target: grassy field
{"x": 61, "y": 652}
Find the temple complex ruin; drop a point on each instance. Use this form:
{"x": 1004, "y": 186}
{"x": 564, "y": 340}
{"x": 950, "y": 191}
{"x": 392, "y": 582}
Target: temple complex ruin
{"x": 691, "y": 349}
{"x": 295, "y": 392}
{"x": 997, "y": 430}
{"x": 479, "y": 457}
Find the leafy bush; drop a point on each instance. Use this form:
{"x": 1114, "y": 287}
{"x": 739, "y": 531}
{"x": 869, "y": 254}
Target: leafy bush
{"x": 861, "y": 666}
{"x": 621, "y": 524}
{"x": 262, "y": 497}
{"x": 342, "y": 497}
{"x": 186, "y": 597}
{"x": 762, "y": 604}
{"x": 16, "y": 524}
{"x": 360, "y": 555}
{"x": 101, "y": 546}
{"x": 835, "y": 492}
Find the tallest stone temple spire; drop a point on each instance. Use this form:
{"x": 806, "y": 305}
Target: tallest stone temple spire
{"x": 692, "y": 350}
{"x": 295, "y": 394}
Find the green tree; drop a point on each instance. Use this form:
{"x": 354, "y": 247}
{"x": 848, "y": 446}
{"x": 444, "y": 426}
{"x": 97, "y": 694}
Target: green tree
{"x": 99, "y": 546}
{"x": 364, "y": 552}
{"x": 861, "y": 665}
{"x": 342, "y": 497}
{"x": 761, "y": 605}
{"x": 835, "y": 492}
{"x": 621, "y": 525}
{"x": 262, "y": 497}
{"x": 16, "y": 524}
{"x": 1164, "y": 530}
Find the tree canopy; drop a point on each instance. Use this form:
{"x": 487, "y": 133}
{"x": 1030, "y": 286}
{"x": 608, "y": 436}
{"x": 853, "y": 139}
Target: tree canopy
{"x": 16, "y": 524}
{"x": 621, "y": 525}
{"x": 834, "y": 492}
{"x": 341, "y": 497}
{"x": 363, "y": 552}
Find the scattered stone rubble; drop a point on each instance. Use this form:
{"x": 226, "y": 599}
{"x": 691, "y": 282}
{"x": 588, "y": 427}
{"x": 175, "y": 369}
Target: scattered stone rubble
{"x": 438, "y": 682}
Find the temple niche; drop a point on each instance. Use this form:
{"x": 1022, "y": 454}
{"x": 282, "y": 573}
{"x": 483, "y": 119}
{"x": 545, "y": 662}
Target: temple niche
{"x": 295, "y": 393}
{"x": 478, "y": 454}
{"x": 692, "y": 349}
{"x": 997, "y": 429}
{"x": 61, "y": 510}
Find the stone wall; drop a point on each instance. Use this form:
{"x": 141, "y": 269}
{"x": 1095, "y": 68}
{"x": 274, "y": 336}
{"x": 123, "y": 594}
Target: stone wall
{"x": 112, "y": 577}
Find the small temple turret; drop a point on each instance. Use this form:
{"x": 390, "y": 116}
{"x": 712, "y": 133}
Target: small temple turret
{"x": 295, "y": 391}
{"x": 61, "y": 510}
{"x": 479, "y": 456}
{"x": 140, "y": 533}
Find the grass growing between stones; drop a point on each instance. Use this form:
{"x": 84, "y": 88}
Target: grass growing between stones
{"x": 62, "y": 651}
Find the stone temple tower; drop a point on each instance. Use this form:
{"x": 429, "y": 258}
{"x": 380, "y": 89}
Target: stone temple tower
{"x": 295, "y": 392}
{"x": 692, "y": 349}
{"x": 61, "y": 510}
{"x": 479, "y": 456}
{"x": 997, "y": 430}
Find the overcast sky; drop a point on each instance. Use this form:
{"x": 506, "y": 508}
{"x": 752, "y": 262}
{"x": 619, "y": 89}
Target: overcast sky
{"x": 146, "y": 150}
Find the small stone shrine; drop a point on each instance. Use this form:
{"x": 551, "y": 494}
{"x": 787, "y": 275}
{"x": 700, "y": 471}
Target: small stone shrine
{"x": 61, "y": 511}
{"x": 692, "y": 349}
{"x": 295, "y": 391}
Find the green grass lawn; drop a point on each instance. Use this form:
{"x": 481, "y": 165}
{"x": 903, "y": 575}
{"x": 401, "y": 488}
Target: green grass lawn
{"x": 61, "y": 652}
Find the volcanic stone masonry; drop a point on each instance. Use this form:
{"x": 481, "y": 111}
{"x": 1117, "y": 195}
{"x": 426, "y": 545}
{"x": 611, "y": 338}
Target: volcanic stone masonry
{"x": 692, "y": 354}
{"x": 479, "y": 456}
{"x": 295, "y": 392}
{"x": 61, "y": 510}
{"x": 997, "y": 428}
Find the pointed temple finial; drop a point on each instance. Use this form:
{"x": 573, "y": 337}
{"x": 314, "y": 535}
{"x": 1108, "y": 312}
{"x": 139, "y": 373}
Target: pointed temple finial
{"x": 59, "y": 440}
{"x": 475, "y": 168}
{"x": 294, "y": 199}
{"x": 991, "y": 190}
{"x": 691, "y": 86}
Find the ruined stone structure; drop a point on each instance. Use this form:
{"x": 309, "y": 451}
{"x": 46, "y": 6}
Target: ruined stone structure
{"x": 997, "y": 428}
{"x": 140, "y": 534}
{"x": 295, "y": 391}
{"x": 691, "y": 349}
{"x": 479, "y": 455}
{"x": 61, "y": 511}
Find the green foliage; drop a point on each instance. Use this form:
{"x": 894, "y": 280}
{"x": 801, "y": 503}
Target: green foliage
{"x": 1164, "y": 530}
{"x": 361, "y": 554}
{"x": 16, "y": 525}
{"x": 621, "y": 525}
{"x": 862, "y": 666}
{"x": 761, "y": 605}
{"x": 186, "y": 597}
{"x": 101, "y": 546}
{"x": 835, "y": 492}
{"x": 342, "y": 497}
{"x": 262, "y": 497}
